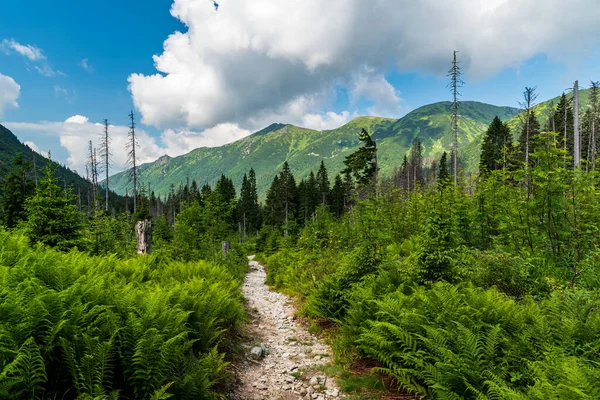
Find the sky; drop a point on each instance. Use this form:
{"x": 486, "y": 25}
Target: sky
{"x": 204, "y": 73}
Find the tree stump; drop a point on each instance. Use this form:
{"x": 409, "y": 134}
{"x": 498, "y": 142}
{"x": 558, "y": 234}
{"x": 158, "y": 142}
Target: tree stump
{"x": 143, "y": 233}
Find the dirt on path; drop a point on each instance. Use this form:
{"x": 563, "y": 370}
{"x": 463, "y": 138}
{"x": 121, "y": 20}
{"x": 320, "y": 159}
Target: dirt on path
{"x": 286, "y": 366}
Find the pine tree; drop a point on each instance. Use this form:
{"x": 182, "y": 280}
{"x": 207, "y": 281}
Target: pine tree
{"x": 443, "y": 175}
{"x": 244, "y": 206}
{"x": 563, "y": 117}
{"x": 362, "y": 164}
{"x": 52, "y": 214}
{"x": 455, "y": 83}
{"x": 416, "y": 164}
{"x": 16, "y": 187}
{"x": 323, "y": 184}
{"x": 254, "y": 217}
{"x": 528, "y": 139}
{"x": 337, "y": 196}
{"x": 494, "y": 147}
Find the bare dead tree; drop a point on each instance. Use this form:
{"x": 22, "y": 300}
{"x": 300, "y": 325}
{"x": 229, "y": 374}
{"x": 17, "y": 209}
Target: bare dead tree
{"x": 529, "y": 97}
{"x": 455, "y": 83}
{"x": 132, "y": 159}
{"x": 576, "y": 135}
{"x": 105, "y": 155}
{"x": 92, "y": 169}
{"x": 592, "y": 148}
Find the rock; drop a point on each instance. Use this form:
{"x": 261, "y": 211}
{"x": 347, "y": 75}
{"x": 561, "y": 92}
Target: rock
{"x": 290, "y": 379}
{"x": 257, "y": 352}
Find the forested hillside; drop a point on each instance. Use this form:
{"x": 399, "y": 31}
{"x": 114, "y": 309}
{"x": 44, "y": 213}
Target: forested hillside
{"x": 34, "y": 164}
{"x": 266, "y": 150}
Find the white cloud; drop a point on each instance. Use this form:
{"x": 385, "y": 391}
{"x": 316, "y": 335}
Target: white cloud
{"x": 253, "y": 60}
{"x": 35, "y": 148}
{"x": 68, "y": 95}
{"x": 76, "y": 131}
{"x": 9, "y": 92}
{"x": 329, "y": 120}
{"x": 178, "y": 143}
{"x": 33, "y": 53}
{"x": 85, "y": 64}
{"x": 77, "y": 119}
{"x": 374, "y": 86}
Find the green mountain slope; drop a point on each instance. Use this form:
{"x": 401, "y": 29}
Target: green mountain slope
{"x": 10, "y": 146}
{"x": 266, "y": 150}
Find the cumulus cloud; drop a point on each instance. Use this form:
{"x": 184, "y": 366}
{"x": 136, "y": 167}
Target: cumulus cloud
{"x": 9, "y": 92}
{"x": 76, "y": 131}
{"x": 249, "y": 61}
{"x": 178, "y": 143}
{"x": 36, "y": 148}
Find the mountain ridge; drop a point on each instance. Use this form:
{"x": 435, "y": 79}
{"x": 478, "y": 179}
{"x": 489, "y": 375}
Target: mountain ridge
{"x": 267, "y": 149}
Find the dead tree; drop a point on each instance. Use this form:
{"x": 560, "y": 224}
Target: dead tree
{"x": 527, "y": 105}
{"x": 576, "y": 136}
{"x": 132, "y": 159}
{"x": 105, "y": 156}
{"x": 455, "y": 83}
{"x": 591, "y": 151}
{"x": 143, "y": 233}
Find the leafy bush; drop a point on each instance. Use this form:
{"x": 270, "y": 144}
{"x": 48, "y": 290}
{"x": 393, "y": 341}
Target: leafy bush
{"x": 76, "y": 326}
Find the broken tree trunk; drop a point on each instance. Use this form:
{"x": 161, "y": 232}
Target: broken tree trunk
{"x": 143, "y": 233}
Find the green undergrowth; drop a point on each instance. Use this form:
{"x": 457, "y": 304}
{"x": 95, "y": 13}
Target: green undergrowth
{"x": 78, "y": 326}
{"x": 437, "y": 318}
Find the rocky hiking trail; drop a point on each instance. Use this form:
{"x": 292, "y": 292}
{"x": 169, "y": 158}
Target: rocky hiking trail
{"x": 283, "y": 357}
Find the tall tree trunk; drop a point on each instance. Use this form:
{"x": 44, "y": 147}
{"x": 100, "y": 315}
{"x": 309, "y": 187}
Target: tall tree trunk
{"x": 143, "y": 233}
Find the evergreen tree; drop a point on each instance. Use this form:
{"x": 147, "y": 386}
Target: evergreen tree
{"x": 338, "y": 196}
{"x": 254, "y": 217}
{"x": 362, "y": 164}
{"x": 15, "y": 188}
{"x": 444, "y": 174}
{"x": 563, "y": 118}
{"x": 245, "y": 207}
{"x": 323, "y": 184}
{"x": 523, "y": 146}
{"x": 53, "y": 218}
{"x": 416, "y": 164}
{"x": 496, "y": 141}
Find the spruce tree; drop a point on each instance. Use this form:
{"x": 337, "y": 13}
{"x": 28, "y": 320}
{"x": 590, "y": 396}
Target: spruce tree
{"x": 323, "y": 184}
{"x": 337, "y": 196}
{"x": 16, "y": 187}
{"x": 528, "y": 139}
{"x": 444, "y": 174}
{"x": 495, "y": 142}
{"x": 52, "y": 216}
{"x": 416, "y": 163}
{"x": 362, "y": 164}
{"x": 254, "y": 217}
{"x": 563, "y": 117}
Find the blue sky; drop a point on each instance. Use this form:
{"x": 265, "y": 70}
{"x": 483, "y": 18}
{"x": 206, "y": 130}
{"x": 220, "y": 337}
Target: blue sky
{"x": 234, "y": 70}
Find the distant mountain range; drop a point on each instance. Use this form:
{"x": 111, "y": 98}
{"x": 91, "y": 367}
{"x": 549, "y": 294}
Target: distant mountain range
{"x": 268, "y": 149}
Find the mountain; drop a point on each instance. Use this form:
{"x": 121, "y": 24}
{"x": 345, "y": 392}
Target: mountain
{"x": 10, "y": 146}
{"x": 266, "y": 150}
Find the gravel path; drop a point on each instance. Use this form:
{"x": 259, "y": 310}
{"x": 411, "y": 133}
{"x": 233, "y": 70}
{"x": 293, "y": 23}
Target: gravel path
{"x": 287, "y": 370}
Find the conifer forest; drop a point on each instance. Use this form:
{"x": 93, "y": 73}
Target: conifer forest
{"x": 453, "y": 253}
